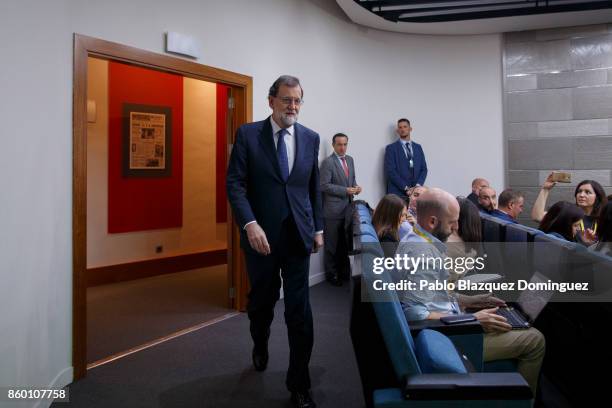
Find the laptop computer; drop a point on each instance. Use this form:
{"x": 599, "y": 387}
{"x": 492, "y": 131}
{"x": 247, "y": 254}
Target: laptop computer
{"x": 522, "y": 313}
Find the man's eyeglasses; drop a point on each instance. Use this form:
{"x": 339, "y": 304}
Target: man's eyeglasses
{"x": 288, "y": 101}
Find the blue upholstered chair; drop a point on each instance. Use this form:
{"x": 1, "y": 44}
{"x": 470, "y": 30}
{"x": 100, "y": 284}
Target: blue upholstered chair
{"x": 429, "y": 370}
{"x": 520, "y": 233}
{"x": 493, "y": 228}
{"x": 552, "y": 256}
{"x": 493, "y": 234}
{"x": 518, "y": 251}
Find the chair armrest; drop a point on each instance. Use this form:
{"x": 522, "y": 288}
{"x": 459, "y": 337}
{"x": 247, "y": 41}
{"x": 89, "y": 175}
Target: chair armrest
{"x": 473, "y": 327}
{"x": 471, "y": 386}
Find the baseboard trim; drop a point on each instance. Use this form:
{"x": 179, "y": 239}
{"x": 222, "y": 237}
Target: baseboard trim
{"x": 316, "y": 278}
{"x": 153, "y": 267}
{"x": 62, "y": 379}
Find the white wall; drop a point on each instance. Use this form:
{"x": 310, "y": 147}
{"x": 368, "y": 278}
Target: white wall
{"x": 356, "y": 80}
{"x": 200, "y": 231}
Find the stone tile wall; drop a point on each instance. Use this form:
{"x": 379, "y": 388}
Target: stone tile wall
{"x": 558, "y": 108}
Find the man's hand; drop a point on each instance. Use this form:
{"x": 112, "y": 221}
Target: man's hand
{"x": 353, "y": 190}
{"x": 491, "y": 322}
{"x": 484, "y": 300}
{"x": 318, "y": 242}
{"x": 257, "y": 239}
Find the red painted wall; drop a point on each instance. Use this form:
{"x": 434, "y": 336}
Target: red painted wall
{"x": 138, "y": 204}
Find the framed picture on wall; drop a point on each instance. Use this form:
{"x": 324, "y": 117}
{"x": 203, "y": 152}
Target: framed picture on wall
{"x": 146, "y": 141}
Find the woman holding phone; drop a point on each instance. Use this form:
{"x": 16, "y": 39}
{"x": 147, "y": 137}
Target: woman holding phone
{"x": 589, "y": 195}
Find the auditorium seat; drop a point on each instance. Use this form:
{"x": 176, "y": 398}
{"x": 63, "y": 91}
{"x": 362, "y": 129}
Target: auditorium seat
{"x": 566, "y": 324}
{"x": 428, "y": 369}
{"x": 518, "y": 251}
{"x": 493, "y": 234}
{"x": 551, "y": 256}
{"x": 493, "y": 228}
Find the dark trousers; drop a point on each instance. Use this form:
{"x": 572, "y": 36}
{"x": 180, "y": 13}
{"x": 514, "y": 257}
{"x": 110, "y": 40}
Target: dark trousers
{"x": 337, "y": 264}
{"x": 290, "y": 260}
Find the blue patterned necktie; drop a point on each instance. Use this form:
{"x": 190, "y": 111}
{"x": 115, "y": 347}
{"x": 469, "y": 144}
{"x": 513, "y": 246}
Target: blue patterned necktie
{"x": 281, "y": 152}
{"x": 408, "y": 152}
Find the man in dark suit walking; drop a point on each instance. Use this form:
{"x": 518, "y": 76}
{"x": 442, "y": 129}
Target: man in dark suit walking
{"x": 338, "y": 186}
{"x": 273, "y": 188}
{"x": 405, "y": 164}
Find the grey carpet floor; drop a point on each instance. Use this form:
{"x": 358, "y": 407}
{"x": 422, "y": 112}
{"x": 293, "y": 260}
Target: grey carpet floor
{"x": 212, "y": 366}
{"x": 124, "y": 315}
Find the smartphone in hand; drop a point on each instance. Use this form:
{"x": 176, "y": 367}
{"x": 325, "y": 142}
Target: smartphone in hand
{"x": 561, "y": 177}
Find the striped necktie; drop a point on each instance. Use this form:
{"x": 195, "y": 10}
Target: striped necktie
{"x": 344, "y": 166}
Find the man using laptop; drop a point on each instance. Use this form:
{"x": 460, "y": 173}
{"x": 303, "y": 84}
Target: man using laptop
{"x": 437, "y": 216}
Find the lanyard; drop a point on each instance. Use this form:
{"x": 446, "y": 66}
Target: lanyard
{"x": 422, "y": 234}
{"x": 594, "y": 226}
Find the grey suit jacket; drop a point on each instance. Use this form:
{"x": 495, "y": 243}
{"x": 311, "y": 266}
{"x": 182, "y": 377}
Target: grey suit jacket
{"x": 333, "y": 184}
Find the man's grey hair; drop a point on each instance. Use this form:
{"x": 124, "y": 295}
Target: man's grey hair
{"x": 287, "y": 80}
{"x": 508, "y": 196}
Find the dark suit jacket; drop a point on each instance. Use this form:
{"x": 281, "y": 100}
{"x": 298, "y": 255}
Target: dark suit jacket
{"x": 473, "y": 198}
{"x": 503, "y": 216}
{"x": 398, "y": 171}
{"x": 255, "y": 188}
{"x": 333, "y": 184}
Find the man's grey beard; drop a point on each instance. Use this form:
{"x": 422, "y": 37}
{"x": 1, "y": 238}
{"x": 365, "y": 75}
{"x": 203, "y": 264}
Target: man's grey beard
{"x": 288, "y": 120}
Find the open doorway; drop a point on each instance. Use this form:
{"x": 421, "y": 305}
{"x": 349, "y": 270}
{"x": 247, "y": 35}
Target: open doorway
{"x": 155, "y": 250}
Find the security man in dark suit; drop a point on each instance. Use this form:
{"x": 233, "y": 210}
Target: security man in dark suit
{"x": 273, "y": 189}
{"x": 338, "y": 186}
{"x": 405, "y": 164}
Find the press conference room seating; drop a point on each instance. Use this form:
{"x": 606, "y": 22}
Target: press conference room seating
{"x": 428, "y": 370}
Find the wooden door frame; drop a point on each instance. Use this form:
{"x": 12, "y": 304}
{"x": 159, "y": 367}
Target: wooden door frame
{"x": 84, "y": 47}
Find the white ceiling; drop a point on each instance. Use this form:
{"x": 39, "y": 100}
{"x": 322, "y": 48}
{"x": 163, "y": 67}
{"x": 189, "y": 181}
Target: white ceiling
{"x": 363, "y": 17}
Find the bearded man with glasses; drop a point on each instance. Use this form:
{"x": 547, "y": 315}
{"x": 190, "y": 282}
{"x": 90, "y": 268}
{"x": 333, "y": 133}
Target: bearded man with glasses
{"x": 273, "y": 188}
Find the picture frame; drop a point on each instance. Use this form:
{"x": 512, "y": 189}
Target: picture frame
{"x": 146, "y": 140}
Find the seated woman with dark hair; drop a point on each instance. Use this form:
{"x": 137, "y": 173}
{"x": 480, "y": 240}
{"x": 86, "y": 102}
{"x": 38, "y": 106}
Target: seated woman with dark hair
{"x": 466, "y": 240}
{"x": 605, "y": 231}
{"x": 562, "y": 220}
{"x": 388, "y": 217}
{"x": 469, "y": 229}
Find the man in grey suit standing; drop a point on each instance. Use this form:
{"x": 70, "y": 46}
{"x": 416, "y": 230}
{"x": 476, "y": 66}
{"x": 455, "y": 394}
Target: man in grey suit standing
{"x": 339, "y": 186}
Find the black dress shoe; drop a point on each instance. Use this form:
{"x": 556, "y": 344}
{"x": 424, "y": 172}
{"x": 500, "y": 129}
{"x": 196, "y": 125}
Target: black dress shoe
{"x": 302, "y": 400}
{"x": 260, "y": 360}
{"x": 335, "y": 281}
